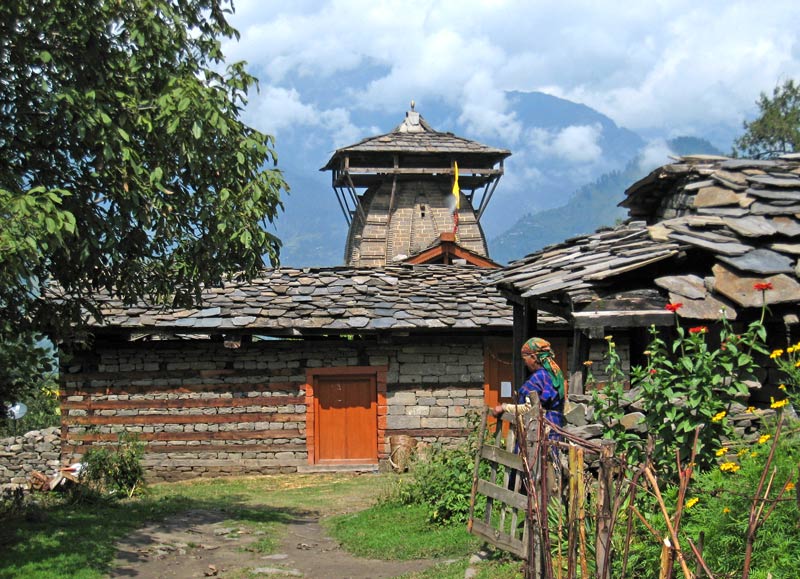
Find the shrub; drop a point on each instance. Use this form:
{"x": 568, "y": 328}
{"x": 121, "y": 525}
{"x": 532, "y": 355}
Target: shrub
{"x": 115, "y": 470}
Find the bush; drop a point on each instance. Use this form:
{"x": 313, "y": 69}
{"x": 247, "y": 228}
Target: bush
{"x": 117, "y": 470}
{"x": 442, "y": 481}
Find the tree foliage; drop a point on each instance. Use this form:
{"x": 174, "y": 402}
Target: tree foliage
{"x": 776, "y": 131}
{"x": 124, "y": 163}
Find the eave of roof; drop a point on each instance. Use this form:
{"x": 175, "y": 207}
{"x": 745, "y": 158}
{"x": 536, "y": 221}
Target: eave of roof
{"x": 716, "y": 227}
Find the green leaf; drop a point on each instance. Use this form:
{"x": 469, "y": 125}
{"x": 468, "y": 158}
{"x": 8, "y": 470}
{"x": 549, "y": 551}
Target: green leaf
{"x": 45, "y": 56}
{"x": 183, "y": 104}
{"x": 106, "y": 120}
{"x": 196, "y": 130}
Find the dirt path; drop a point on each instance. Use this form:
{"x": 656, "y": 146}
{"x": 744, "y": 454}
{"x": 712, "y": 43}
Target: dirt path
{"x": 204, "y": 543}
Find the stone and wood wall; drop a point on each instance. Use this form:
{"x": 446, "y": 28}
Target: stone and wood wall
{"x": 204, "y": 409}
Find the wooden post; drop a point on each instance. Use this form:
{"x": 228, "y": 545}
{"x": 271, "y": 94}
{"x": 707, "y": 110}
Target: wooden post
{"x": 476, "y": 471}
{"x": 605, "y": 482}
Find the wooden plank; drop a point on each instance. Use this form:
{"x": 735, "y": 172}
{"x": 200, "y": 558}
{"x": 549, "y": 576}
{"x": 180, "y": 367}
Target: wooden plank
{"x": 501, "y": 456}
{"x": 134, "y": 389}
{"x": 512, "y": 499}
{"x": 183, "y": 419}
{"x": 167, "y": 436}
{"x": 433, "y": 432}
{"x": 160, "y": 449}
{"x": 182, "y": 403}
{"x": 623, "y": 319}
{"x": 500, "y": 540}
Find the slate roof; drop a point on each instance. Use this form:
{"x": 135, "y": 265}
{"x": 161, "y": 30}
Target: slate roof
{"x": 702, "y": 232}
{"x": 415, "y": 135}
{"x": 338, "y": 300}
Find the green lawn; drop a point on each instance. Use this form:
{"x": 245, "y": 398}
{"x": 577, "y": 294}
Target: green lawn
{"x": 57, "y": 540}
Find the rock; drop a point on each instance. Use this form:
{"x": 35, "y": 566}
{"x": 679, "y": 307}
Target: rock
{"x": 576, "y": 415}
{"x": 587, "y": 431}
{"x": 634, "y": 422}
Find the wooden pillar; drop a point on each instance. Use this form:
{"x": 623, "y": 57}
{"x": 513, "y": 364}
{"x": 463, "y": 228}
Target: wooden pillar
{"x": 605, "y": 483}
{"x": 580, "y": 353}
{"x": 525, "y": 325}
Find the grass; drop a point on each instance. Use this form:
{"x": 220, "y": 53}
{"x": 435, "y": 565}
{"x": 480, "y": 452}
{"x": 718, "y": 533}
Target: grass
{"x": 54, "y": 539}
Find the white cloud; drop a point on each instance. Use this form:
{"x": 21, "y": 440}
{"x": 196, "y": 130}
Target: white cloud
{"x": 672, "y": 65}
{"x": 574, "y": 144}
{"x": 275, "y": 109}
{"x": 654, "y": 154}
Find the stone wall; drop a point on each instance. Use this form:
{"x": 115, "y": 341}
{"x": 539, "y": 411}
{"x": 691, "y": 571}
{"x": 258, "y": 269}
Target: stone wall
{"x": 204, "y": 409}
{"x": 20, "y": 455}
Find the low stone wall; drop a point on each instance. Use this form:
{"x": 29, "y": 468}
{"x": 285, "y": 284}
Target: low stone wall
{"x": 38, "y": 450}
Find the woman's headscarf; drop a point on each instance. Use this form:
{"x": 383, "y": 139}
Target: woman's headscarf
{"x": 541, "y": 350}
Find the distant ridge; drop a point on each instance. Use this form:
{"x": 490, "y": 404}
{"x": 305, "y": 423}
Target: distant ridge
{"x": 589, "y": 208}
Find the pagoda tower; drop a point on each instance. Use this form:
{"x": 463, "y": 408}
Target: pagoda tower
{"x": 397, "y": 194}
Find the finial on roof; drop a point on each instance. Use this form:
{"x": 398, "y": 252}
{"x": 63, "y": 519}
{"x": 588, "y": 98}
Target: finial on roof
{"x": 412, "y": 104}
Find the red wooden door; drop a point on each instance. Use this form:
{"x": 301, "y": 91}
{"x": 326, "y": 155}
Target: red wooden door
{"x": 346, "y": 419}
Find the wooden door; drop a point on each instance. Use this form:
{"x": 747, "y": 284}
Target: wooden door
{"x": 498, "y": 367}
{"x": 346, "y": 419}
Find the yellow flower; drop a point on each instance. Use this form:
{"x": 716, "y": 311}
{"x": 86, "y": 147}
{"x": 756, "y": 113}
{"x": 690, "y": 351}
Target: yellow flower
{"x": 726, "y": 510}
{"x": 782, "y": 387}
{"x": 741, "y": 453}
{"x": 722, "y": 451}
{"x": 718, "y": 416}
{"x": 790, "y": 349}
{"x": 753, "y": 454}
{"x": 776, "y": 354}
{"x": 778, "y": 403}
{"x": 750, "y": 409}
{"x": 608, "y": 338}
{"x": 588, "y": 363}
{"x": 789, "y": 487}
{"x": 729, "y": 467}
{"x": 764, "y": 438}
{"x": 797, "y": 364}
{"x": 691, "y": 502}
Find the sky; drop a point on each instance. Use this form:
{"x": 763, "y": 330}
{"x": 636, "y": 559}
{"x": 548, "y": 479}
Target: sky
{"x": 661, "y": 68}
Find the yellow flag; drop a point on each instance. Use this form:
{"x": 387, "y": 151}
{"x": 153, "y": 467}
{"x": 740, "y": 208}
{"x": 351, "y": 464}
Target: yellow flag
{"x": 456, "y": 190}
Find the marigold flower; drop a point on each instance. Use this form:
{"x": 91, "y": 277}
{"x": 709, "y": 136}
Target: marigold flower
{"x": 762, "y": 286}
{"x": 776, "y": 354}
{"x": 722, "y": 450}
{"x": 750, "y": 409}
{"x": 778, "y": 403}
{"x": 698, "y": 330}
{"x": 764, "y": 438}
{"x": 674, "y": 307}
{"x": 725, "y": 511}
{"x": 729, "y": 467}
{"x": 789, "y": 487}
{"x": 691, "y": 502}
{"x": 719, "y": 416}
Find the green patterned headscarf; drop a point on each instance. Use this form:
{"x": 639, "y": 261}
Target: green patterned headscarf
{"x": 542, "y": 351}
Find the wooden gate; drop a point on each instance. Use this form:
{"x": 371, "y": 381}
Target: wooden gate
{"x": 346, "y": 419}
{"x": 524, "y": 482}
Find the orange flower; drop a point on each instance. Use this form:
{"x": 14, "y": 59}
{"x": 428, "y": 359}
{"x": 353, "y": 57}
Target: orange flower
{"x": 674, "y": 307}
{"x": 762, "y": 286}
{"x": 698, "y": 330}
{"x": 789, "y": 487}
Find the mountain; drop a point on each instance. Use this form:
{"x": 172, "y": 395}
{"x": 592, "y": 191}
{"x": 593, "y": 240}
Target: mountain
{"x": 589, "y": 208}
{"x": 557, "y": 147}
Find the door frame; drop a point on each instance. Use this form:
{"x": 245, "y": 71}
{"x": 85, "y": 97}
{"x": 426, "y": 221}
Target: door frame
{"x": 377, "y": 373}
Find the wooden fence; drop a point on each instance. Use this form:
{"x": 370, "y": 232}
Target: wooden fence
{"x": 549, "y": 501}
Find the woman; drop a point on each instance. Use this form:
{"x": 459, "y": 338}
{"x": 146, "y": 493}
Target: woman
{"x": 546, "y": 381}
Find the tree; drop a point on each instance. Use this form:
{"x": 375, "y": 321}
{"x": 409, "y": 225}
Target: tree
{"x": 124, "y": 164}
{"x": 776, "y": 131}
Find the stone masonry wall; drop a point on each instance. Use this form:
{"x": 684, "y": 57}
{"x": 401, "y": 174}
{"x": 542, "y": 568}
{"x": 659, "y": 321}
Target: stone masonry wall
{"x": 204, "y": 409}
{"x": 21, "y": 455}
